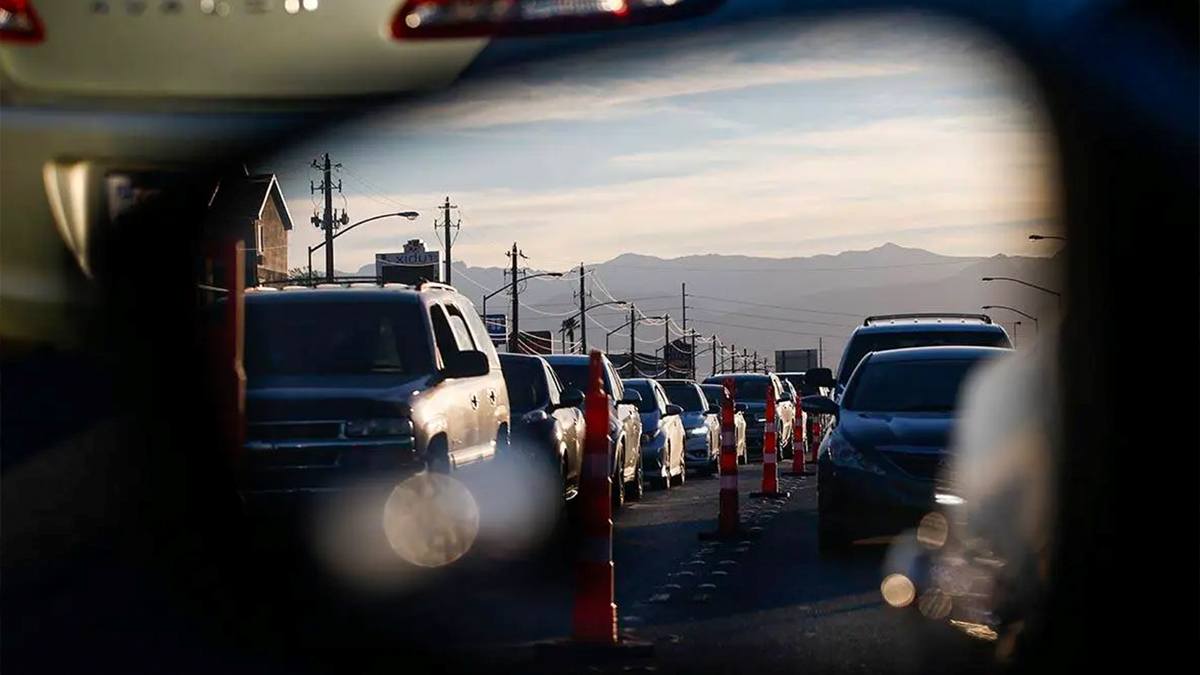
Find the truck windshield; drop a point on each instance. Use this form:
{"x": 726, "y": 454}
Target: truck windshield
{"x": 336, "y": 338}
{"x": 526, "y": 384}
{"x": 575, "y": 376}
{"x": 865, "y": 343}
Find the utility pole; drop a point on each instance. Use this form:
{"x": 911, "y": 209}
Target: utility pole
{"x": 714, "y": 354}
{"x": 327, "y": 219}
{"x": 633, "y": 371}
{"x": 745, "y": 360}
{"x": 582, "y": 311}
{"x": 513, "y": 255}
{"x": 667, "y": 343}
{"x": 820, "y": 353}
{"x": 446, "y": 228}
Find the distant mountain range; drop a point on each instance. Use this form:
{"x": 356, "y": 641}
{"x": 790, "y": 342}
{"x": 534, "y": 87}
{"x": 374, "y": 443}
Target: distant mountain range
{"x": 766, "y": 304}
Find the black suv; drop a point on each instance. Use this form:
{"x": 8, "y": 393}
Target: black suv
{"x": 350, "y": 386}
{"x": 898, "y": 331}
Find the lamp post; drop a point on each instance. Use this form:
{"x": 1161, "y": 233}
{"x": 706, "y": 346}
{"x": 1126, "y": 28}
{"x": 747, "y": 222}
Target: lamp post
{"x": 411, "y": 215}
{"x": 523, "y": 278}
{"x": 1031, "y": 317}
{"x": 1043, "y": 289}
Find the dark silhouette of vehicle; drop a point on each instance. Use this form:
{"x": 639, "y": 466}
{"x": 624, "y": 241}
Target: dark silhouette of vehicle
{"x": 547, "y": 422}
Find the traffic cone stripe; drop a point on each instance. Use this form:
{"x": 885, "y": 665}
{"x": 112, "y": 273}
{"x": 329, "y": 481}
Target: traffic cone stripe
{"x": 596, "y": 549}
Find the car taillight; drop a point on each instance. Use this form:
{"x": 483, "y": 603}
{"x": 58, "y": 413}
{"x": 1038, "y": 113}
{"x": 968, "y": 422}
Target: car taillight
{"x": 474, "y": 18}
{"x": 19, "y": 23}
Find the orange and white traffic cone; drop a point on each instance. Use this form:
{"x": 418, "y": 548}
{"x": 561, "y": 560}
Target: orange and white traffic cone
{"x": 770, "y": 470}
{"x": 595, "y": 614}
{"x": 728, "y": 519}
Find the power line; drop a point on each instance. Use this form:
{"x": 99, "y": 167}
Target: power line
{"x": 667, "y": 265}
{"x": 759, "y": 304}
{"x": 771, "y": 330}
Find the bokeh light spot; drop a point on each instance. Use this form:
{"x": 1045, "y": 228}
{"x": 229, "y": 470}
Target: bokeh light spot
{"x": 431, "y": 520}
{"x": 933, "y": 530}
{"x": 897, "y": 590}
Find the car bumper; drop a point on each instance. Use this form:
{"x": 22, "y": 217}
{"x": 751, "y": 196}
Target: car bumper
{"x": 697, "y": 452}
{"x": 868, "y": 504}
{"x": 652, "y": 453}
{"x": 321, "y": 467}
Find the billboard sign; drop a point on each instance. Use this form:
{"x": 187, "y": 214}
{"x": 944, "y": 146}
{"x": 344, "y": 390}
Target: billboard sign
{"x": 795, "y": 360}
{"x": 411, "y": 266}
{"x": 497, "y": 327}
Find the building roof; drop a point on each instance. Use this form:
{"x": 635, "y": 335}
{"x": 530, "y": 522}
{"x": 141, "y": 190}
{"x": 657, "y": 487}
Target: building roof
{"x": 245, "y": 197}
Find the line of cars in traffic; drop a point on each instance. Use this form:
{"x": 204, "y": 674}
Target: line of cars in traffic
{"x": 361, "y": 384}
{"x": 364, "y": 385}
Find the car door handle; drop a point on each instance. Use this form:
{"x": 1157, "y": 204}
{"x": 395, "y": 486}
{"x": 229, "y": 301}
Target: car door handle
{"x": 474, "y": 401}
{"x": 492, "y": 396}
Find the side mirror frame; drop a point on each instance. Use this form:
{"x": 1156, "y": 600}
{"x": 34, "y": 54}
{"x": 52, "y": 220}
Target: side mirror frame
{"x": 631, "y": 398}
{"x": 820, "y": 405}
{"x": 714, "y": 410}
{"x": 673, "y": 410}
{"x": 740, "y": 407}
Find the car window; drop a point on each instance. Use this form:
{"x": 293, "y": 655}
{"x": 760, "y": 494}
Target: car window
{"x": 650, "y": 402}
{"x": 525, "y": 381}
{"x": 908, "y": 386}
{"x": 685, "y": 396}
{"x": 335, "y": 338}
{"x": 462, "y": 334}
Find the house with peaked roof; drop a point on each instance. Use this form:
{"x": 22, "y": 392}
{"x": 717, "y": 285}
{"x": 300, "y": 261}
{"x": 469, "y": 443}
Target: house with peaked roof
{"x": 251, "y": 207}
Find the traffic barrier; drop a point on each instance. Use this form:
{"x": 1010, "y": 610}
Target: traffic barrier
{"x": 594, "y": 632}
{"x": 816, "y": 445}
{"x": 728, "y": 519}
{"x": 798, "y": 443}
{"x": 595, "y": 612}
{"x": 770, "y": 467}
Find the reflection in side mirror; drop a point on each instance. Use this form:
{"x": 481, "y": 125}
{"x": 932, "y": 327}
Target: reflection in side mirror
{"x": 740, "y": 407}
{"x": 821, "y": 405}
{"x": 818, "y": 377}
{"x": 467, "y": 364}
{"x": 571, "y": 398}
{"x": 673, "y": 409}
{"x": 631, "y": 397}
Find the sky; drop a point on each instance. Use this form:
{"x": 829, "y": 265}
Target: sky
{"x": 774, "y": 140}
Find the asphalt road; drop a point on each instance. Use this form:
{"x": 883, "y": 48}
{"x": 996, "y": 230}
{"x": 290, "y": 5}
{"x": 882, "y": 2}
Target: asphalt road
{"x": 768, "y": 603}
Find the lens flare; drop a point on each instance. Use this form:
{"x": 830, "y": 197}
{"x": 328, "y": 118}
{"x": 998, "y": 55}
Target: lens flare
{"x": 933, "y": 530}
{"x": 430, "y": 520}
{"x": 897, "y": 590}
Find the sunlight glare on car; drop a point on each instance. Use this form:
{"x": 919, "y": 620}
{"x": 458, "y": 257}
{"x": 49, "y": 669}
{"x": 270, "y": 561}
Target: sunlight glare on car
{"x": 431, "y": 520}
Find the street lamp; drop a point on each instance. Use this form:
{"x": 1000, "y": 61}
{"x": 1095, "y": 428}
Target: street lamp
{"x": 508, "y": 286}
{"x": 1026, "y": 283}
{"x": 1039, "y": 237}
{"x": 411, "y": 215}
{"x": 1014, "y": 309}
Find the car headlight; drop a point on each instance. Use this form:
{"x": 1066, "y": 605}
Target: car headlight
{"x": 386, "y": 426}
{"x": 844, "y": 454}
{"x": 698, "y": 431}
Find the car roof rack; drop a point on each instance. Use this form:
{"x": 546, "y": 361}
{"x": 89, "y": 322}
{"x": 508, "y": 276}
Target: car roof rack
{"x": 437, "y": 285}
{"x": 983, "y": 318}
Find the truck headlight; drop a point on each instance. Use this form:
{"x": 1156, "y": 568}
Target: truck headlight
{"x": 384, "y": 426}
